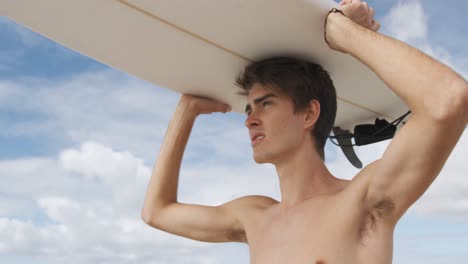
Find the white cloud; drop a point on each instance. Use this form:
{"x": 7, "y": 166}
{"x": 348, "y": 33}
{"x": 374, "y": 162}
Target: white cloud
{"x": 107, "y": 227}
{"x": 36, "y": 177}
{"x": 14, "y": 204}
{"x": 105, "y": 106}
{"x": 407, "y": 21}
{"x": 448, "y": 193}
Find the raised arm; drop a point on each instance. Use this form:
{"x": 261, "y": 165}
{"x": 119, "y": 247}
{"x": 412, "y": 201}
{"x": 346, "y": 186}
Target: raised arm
{"x": 161, "y": 208}
{"x": 437, "y": 97}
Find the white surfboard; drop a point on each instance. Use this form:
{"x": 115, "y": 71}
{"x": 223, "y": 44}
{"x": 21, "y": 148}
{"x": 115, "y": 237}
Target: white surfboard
{"x": 199, "y": 47}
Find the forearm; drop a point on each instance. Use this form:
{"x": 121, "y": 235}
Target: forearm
{"x": 426, "y": 85}
{"x": 162, "y": 188}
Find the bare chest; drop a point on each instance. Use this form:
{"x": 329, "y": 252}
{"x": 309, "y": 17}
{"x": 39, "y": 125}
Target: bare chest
{"x": 317, "y": 234}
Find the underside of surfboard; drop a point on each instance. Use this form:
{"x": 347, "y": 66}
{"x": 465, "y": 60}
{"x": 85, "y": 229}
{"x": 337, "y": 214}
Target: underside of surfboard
{"x": 199, "y": 47}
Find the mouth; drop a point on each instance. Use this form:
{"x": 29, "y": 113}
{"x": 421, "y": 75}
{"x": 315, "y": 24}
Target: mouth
{"x": 256, "y": 140}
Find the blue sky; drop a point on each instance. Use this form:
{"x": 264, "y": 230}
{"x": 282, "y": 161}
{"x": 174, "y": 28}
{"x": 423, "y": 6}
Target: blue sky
{"x": 79, "y": 139}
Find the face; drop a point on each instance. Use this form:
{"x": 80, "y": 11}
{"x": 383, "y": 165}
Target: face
{"x": 274, "y": 129}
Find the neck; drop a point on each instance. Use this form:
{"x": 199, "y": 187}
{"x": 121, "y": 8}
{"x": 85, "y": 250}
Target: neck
{"x": 303, "y": 175}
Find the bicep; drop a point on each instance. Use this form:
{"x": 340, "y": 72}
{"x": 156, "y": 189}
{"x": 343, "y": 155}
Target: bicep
{"x": 412, "y": 161}
{"x": 203, "y": 223}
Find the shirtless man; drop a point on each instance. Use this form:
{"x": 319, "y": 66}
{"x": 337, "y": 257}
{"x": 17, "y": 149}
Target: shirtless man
{"x": 320, "y": 218}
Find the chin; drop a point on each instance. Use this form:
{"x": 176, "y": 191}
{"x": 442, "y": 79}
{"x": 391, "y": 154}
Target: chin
{"x": 263, "y": 157}
{"x": 259, "y": 161}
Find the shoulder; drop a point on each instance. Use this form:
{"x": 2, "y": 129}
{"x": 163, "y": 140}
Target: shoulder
{"x": 250, "y": 207}
{"x": 248, "y": 210}
{"x": 254, "y": 202}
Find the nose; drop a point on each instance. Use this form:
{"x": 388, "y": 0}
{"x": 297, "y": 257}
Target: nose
{"x": 252, "y": 120}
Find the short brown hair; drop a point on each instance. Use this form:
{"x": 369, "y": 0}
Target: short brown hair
{"x": 301, "y": 80}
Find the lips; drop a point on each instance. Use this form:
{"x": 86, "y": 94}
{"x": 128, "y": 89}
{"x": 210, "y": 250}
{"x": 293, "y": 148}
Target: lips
{"x": 256, "y": 137}
{"x": 257, "y": 140}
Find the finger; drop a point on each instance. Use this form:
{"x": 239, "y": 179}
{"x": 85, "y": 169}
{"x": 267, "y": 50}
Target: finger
{"x": 371, "y": 15}
{"x": 375, "y": 26}
{"x": 344, "y": 2}
{"x": 223, "y": 108}
{"x": 366, "y": 7}
{"x": 367, "y": 24}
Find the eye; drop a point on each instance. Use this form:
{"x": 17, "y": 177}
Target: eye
{"x": 266, "y": 103}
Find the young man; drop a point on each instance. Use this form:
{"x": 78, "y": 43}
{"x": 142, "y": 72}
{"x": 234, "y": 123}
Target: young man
{"x": 320, "y": 219}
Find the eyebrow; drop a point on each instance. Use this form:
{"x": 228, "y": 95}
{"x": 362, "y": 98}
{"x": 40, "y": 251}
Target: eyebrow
{"x": 259, "y": 100}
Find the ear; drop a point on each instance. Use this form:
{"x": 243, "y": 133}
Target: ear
{"x": 311, "y": 114}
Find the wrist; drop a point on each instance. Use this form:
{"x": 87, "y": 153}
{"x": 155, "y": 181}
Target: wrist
{"x": 187, "y": 108}
{"x": 336, "y": 27}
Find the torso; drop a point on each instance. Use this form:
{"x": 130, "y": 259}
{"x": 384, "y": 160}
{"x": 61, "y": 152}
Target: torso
{"x": 332, "y": 229}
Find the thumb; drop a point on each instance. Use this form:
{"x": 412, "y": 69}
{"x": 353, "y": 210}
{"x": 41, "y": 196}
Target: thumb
{"x": 224, "y": 108}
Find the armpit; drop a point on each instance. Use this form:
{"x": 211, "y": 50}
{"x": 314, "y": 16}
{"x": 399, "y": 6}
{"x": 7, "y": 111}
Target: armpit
{"x": 380, "y": 210}
{"x": 238, "y": 236}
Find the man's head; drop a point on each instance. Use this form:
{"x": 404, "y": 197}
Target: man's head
{"x": 303, "y": 82}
